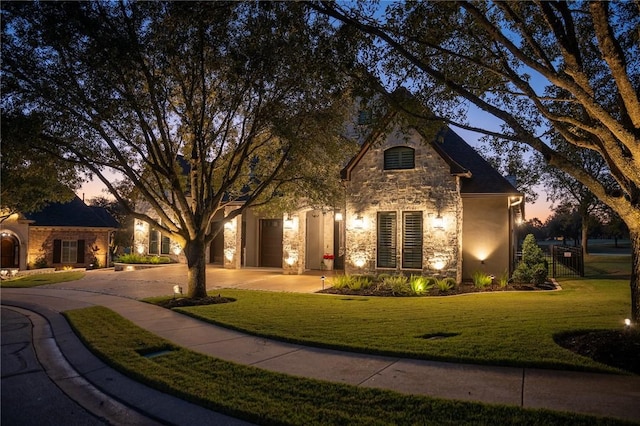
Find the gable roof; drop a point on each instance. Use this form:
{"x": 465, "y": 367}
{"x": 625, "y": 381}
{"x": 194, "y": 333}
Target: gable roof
{"x": 74, "y": 213}
{"x": 479, "y": 177}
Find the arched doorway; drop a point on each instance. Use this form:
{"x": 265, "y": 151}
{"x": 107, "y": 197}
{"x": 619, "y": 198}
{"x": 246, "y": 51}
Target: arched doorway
{"x": 9, "y": 251}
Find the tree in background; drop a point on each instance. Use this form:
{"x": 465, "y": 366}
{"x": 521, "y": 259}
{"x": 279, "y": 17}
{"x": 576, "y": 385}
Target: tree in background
{"x": 197, "y": 105}
{"x": 563, "y": 188}
{"x": 531, "y": 66}
{"x": 31, "y": 178}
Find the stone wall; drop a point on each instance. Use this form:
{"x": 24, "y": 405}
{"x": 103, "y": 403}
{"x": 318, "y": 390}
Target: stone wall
{"x": 428, "y": 188}
{"x": 96, "y": 244}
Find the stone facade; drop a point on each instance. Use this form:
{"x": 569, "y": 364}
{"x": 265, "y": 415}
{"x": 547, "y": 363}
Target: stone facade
{"x": 96, "y": 245}
{"x": 428, "y": 188}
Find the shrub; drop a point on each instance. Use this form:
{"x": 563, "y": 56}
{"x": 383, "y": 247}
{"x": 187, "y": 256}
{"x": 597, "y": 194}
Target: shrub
{"x": 40, "y": 262}
{"x": 503, "y": 279}
{"x": 359, "y": 282}
{"x": 446, "y": 284}
{"x": 397, "y": 284}
{"x": 533, "y": 268}
{"x": 419, "y": 284}
{"x": 481, "y": 279}
{"x": 140, "y": 259}
{"x": 340, "y": 281}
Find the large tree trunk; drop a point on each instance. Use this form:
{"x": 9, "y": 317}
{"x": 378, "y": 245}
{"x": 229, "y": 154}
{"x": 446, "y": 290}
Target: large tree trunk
{"x": 634, "y": 235}
{"x": 585, "y": 234}
{"x": 197, "y": 268}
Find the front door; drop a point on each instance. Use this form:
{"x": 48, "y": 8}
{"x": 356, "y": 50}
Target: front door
{"x": 9, "y": 252}
{"x": 271, "y": 243}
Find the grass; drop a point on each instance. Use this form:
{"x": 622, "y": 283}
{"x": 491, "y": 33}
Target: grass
{"x": 265, "y": 397}
{"x": 41, "y": 279}
{"x": 501, "y": 328}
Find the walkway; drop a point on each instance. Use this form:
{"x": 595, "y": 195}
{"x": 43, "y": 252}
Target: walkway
{"x": 599, "y": 394}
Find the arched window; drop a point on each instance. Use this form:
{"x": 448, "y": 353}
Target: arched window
{"x": 399, "y": 158}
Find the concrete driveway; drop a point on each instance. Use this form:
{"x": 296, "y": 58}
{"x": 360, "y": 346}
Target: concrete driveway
{"x": 160, "y": 280}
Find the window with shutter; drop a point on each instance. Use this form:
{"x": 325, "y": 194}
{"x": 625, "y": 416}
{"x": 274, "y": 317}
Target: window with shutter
{"x": 69, "y": 252}
{"x": 57, "y": 251}
{"x": 386, "y": 240}
{"x": 153, "y": 242}
{"x": 165, "y": 246}
{"x": 399, "y": 158}
{"x": 412, "y": 240}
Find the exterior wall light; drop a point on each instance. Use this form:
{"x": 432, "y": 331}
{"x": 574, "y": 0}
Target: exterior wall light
{"x": 140, "y": 249}
{"x": 229, "y": 224}
{"x": 288, "y": 223}
{"x": 438, "y": 222}
{"x": 358, "y": 222}
{"x": 338, "y": 216}
{"x": 627, "y": 323}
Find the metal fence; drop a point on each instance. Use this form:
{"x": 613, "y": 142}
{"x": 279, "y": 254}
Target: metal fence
{"x": 563, "y": 261}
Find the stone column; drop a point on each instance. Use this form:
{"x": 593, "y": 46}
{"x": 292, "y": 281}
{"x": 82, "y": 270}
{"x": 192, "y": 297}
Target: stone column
{"x": 232, "y": 240}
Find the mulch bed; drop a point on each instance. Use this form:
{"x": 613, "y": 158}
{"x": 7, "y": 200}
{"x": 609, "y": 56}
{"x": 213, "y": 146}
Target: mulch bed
{"x": 180, "y": 302}
{"x": 463, "y": 288}
{"x": 616, "y": 348}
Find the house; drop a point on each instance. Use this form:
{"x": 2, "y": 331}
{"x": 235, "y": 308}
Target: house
{"x": 416, "y": 202}
{"x": 62, "y": 234}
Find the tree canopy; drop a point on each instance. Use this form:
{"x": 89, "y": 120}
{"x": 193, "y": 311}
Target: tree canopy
{"x": 199, "y": 106}
{"x": 543, "y": 69}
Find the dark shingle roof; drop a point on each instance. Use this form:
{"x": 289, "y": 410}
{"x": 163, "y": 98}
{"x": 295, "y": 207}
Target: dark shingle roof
{"x": 482, "y": 177}
{"x": 73, "y": 213}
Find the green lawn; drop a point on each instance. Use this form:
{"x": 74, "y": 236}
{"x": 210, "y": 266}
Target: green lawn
{"x": 504, "y": 328}
{"x": 42, "y": 279}
{"x": 265, "y": 397}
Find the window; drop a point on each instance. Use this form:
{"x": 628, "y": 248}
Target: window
{"x": 386, "y": 240}
{"x": 68, "y": 251}
{"x": 166, "y": 245}
{"x": 158, "y": 243}
{"x": 364, "y": 118}
{"x": 412, "y": 240}
{"x": 153, "y": 242}
{"x": 399, "y": 158}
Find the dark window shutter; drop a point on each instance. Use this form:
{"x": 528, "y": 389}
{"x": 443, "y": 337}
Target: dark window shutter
{"x": 166, "y": 245}
{"x": 80, "y": 258}
{"x": 399, "y": 158}
{"x": 386, "y": 240}
{"x": 57, "y": 251}
{"x": 412, "y": 240}
{"x": 153, "y": 242}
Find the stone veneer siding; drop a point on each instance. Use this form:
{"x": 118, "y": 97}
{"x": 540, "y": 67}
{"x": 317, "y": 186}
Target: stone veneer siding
{"x": 429, "y": 188}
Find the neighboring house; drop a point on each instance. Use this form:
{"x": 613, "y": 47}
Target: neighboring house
{"x": 415, "y": 204}
{"x": 60, "y": 235}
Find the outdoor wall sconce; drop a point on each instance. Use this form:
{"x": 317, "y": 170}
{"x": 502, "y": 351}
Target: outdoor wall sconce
{"x": 338, "y": 216}
{"x": 438, "y": 222}
{"x": 229, "y": 224}
{"x": 288, "y": 222}
{"x": 358, "y": 222}
{"x": 139, "y": 225}
{"x": 177, "y": 249}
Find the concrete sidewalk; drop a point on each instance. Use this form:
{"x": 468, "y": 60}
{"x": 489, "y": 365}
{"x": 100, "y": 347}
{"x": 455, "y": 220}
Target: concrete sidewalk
{"x": 588, "y": 393}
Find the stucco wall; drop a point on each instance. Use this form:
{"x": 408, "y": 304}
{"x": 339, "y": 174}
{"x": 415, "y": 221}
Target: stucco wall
{"x": 428, "y": 188}
{"x": 485, "y": 236}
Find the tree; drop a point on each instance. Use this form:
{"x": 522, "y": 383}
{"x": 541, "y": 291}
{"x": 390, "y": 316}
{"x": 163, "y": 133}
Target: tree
{"x": 530, "y": 65}
{"x": 31, "y": 178}
{"x": 563, "y": 188}
{"x": 197, "y": 105}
